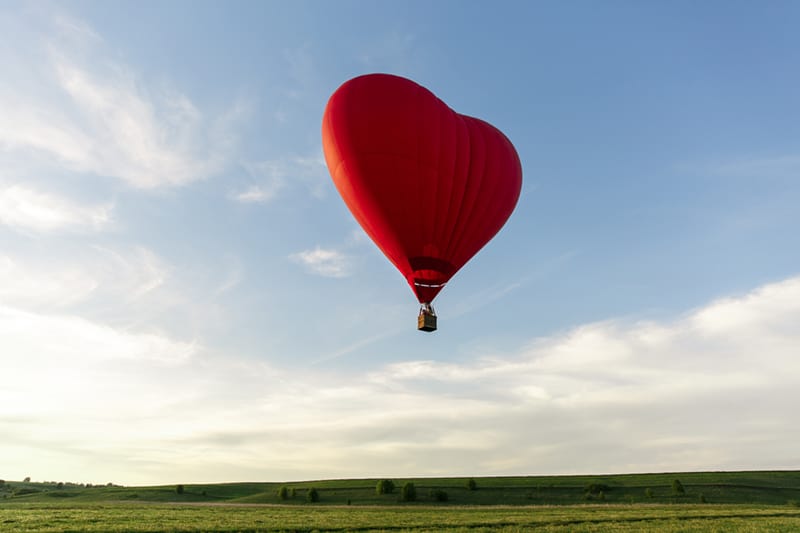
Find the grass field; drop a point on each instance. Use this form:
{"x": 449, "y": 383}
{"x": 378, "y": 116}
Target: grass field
{"x": 208, "y": 517}
{"x": 715, "y": 501}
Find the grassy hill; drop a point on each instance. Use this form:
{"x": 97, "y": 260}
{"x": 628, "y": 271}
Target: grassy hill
{"x": 763, "y": 488}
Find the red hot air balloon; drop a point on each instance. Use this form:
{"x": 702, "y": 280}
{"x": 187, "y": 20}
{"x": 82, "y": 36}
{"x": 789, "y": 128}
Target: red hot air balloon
{"x": 430, "y": 186}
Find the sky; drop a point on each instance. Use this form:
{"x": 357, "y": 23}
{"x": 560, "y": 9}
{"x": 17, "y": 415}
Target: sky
{"x": 184, "y": 297}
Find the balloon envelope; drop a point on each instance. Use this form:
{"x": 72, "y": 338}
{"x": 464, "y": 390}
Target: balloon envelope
{"x": 430, "y": 186}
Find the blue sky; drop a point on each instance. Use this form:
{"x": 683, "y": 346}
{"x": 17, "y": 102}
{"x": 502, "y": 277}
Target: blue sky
{"x": 184, "y": 297}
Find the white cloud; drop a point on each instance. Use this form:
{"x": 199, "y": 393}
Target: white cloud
{"x": 27, "y": 209}
{"x": 148, "y": 142}
{"x": 25, "y": 286}
{"x": 92, "y": 114}
{"x": 255, "y": 194}
{"x": 698, "y": 392}
{"x": 77, "y": 342}
{"x": 324, "y": 262}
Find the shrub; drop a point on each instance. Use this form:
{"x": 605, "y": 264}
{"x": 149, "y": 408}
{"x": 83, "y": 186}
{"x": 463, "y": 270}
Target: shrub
{"x": 384, "y": 486}
{"x": 60, "y": 494}
{"x": 312, "y": 495}
{"x": 179, "y": 489}
{"x": 409, "y": 492}
{"x": 283, "y": 493}
{"x": 701, "y": 498}
{"x": 438, "y": 495}
{"x": 596, "y": 488}
{"x": 21, "y": 491}
{"x": 677, "y": 487}
{"x": 471, "y": 485}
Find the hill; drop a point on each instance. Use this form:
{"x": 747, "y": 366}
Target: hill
{"x": 757, "y": 487}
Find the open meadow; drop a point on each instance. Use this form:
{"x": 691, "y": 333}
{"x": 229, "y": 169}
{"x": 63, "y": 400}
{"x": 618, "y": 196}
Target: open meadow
{"x": 718, "y": 501}
{"x": 230, "y": 517}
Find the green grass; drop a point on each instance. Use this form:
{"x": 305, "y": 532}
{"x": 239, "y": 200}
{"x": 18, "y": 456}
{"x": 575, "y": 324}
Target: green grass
{"x": 186, "y": 518}
{"x": 735, "y": 501}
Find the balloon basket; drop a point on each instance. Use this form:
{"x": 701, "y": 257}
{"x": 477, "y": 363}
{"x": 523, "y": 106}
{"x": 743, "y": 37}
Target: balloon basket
{"x": 426, "y": 321}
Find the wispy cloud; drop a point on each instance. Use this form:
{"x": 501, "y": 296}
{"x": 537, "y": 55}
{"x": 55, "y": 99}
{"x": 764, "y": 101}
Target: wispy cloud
{"x": 328, "y": 262}
{"x": 146, "y": 141}
{"x": 24, "y": 208}
{"x": 270, "y": 178}
{"x": 395, "y": 49}
{"x": 121, "y": 275}
{"x": 255, "y": 194}
{"x": 234, "y": 275}
{"x": 774, "y": 167}
{"x": 93, "y": 114}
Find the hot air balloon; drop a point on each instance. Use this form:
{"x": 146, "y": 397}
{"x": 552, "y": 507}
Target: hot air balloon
{"x": 429, "y": 186}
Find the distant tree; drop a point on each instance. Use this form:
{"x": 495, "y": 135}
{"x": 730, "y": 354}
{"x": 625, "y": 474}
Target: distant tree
{"x": 701, "y": 498}
{"x": 27, "y": 480}
{"x": 179, "y": 489}
{"x": 596, "y": 488}
{"x": 677, "y": 487}
{"x": 283, "y": 493}
{"x": 601, "y": 495}
{"x": 437, "y": 495}
{"x": 409, "y": 492}
{"x": 471, "y": 485}
{"x": 2, "y": 482}
{"x": 648, "y": 492}
{"x": 60, "y": 485}
{"x": 312, "y": 495}
{"x": 293, "y": 492}
{"x": 384, "y": 486}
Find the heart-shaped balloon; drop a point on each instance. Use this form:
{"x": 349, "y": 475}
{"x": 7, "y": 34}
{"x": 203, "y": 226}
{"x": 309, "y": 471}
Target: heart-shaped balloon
{"x": 430, "y": 186}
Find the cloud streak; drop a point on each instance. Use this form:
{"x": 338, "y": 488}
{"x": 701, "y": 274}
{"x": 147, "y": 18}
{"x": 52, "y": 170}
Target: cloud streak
{"x": 272, "y": 177}
{"x": 24, "y": 208}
